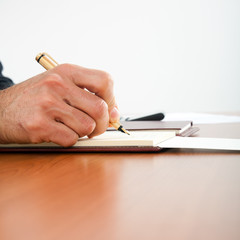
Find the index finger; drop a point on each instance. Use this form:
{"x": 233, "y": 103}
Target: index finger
{"x": 95, "y": 81}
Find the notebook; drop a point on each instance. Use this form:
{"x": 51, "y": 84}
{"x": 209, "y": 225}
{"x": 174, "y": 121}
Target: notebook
{"x": 138, "y": 141}
{"x": 110, "y": 141}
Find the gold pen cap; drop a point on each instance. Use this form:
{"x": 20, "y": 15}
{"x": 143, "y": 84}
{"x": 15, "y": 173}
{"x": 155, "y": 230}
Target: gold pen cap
{"x": 46, "y": 61}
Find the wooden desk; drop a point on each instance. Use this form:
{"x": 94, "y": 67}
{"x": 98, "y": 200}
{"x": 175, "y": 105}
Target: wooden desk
{"x": 175, "y": 194}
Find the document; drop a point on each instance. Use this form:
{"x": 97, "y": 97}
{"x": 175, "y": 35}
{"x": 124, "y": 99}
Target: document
{"x": 202, "y": 118}
{"x": 202, "y": 143}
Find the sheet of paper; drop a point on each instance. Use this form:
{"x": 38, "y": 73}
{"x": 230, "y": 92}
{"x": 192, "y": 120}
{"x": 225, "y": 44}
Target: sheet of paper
{"x": 201, "y": 118}
{"x": 202, "y": 143}
{"x": 136, "y": 138}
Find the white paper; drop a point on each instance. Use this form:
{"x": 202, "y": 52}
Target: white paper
{"x": 201, "y": 118}
{"x": 202, "y": 143}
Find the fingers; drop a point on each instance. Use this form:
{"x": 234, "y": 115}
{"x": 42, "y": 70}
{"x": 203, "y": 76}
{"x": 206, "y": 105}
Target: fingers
{"x": 59, "y": 123}
{"x": 51, "y": 131}
{"x": 97, "y": 82}
{"x": 82, "y": 112}
{"x": 86, "y": 114}
{"x": 85, "y": 106}
{"x": 78, "y": 121}
{"x": 63, "y": 135}
{"x": 74, "y": 106}
{"x": 84, "y": 102}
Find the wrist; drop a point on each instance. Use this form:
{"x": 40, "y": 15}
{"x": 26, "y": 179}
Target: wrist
{"x": 4, "y": 121}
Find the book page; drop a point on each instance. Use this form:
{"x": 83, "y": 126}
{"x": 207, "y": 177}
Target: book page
{"x": 136, "y": 138}
{"x": 109, "y": 138}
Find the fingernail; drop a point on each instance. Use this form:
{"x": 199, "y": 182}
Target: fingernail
{"x": 114, "y": 115}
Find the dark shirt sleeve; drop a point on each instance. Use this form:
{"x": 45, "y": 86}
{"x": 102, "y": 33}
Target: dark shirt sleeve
{"x": 4, "y": 81}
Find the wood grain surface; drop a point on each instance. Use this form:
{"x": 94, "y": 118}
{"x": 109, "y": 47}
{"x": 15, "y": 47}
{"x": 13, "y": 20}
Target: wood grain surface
{"x": 175, "y": 194}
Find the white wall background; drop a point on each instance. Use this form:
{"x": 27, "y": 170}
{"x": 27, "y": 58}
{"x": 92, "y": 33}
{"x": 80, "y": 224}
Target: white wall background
{"x": 163, "y": 55}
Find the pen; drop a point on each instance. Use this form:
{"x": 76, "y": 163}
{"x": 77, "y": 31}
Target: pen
{"x": 48, "y": 63}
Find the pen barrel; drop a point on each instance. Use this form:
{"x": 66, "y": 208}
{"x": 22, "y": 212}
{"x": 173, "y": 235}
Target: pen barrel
{"x": 116, "y": 125}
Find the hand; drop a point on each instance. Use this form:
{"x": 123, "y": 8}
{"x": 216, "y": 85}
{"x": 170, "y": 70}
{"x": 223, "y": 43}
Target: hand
{"x": 60, "y": 105}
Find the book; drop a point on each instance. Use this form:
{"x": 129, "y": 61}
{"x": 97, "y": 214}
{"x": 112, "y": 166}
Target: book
{"x": 110, "y": 141}
{"x": 145, "y": 137}
{"x": 138, "y": 141}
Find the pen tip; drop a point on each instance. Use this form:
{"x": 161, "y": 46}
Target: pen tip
{"x": 123, "y": 130}
{"x": 126, "y": 132}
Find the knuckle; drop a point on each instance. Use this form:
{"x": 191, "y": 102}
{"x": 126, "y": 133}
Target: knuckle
{"x": 34, "y": 125}
{"x": 106, "y": 79}
{"x": 46, "y": 101}
{"x": 35, "y": 139}
{"x": 101, "y": 108}
{"x": 35, "y": 129}
{"x": 52, "y": 79}
{"x": 64, "y": 68}
{"x": 52, "y": 82}
{"x": 69, "y": 140}
{"x": 90, "y": 127}
{"x": 87, "y": 127}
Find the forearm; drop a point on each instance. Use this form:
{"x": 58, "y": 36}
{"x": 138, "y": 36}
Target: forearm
{"x": 7, "y": 121}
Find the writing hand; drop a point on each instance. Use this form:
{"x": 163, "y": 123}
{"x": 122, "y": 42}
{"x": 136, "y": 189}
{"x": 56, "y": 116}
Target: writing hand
{"x": 56, "y": 107}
